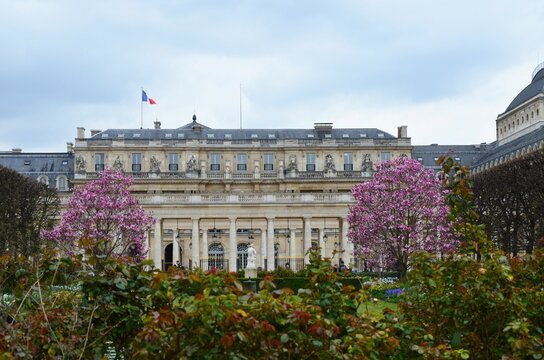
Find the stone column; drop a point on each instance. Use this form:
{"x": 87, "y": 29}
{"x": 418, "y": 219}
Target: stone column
{"x": 204, "y": 249}
{"x": 270, "y": 246}
{"x": 322, "y": 242}
{"x": 346, "y": 247}
{"x": 175, "y": 248}
{"x": 307, "y": 238}
{"x": 293, "y": 244}
{"x": 232, "y": 245}
{"x": 195, "y": 250}
{"x": 156, "y": 250}
{"x": 263, "y": 247}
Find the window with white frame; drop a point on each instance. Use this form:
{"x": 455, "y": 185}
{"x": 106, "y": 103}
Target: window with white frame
{"x": 348, "y": 161}
{"x": 215, "y": 162}
{"x": 173, "y": 164}
{"x": 268, "y": 160}
{"x": 99, "y": 162}
{"x": 385, "y": 156}
{"x": 241, "y": 162}
{"x": 136, "y": 162}
{"x": 310, "y": 162}
{"x": 61, "y": 183}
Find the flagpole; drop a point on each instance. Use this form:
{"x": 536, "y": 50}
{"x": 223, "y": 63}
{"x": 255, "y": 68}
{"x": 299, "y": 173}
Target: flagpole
{"x": 141, "y": 110}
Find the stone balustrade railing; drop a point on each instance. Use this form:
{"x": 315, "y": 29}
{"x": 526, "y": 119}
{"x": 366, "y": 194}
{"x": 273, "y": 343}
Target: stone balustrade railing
{"x": 229, "y": 198}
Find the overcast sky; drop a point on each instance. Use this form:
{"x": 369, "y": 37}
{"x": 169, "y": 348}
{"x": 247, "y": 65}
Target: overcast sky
{"x": 444, "y": 68}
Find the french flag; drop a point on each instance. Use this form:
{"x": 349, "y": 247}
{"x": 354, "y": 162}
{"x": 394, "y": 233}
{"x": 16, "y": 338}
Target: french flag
{"x": 145, "y": 98}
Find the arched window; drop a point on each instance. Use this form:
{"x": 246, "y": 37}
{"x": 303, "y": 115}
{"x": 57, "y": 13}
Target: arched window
{"x": 241, "y": 260}
{"x": 43, "y": 179}
{"x": 216, "y": 256}
{"x": 61, "y": 183}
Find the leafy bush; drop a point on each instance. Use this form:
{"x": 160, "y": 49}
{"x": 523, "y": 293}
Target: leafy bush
{"x": 488, "y": 307}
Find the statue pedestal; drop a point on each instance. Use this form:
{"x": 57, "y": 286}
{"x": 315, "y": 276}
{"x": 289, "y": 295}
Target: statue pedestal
{"x": 250, "y": 273}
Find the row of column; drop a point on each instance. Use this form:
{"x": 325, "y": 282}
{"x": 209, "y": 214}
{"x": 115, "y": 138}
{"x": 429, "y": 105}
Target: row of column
{"x": 266, "y": 245}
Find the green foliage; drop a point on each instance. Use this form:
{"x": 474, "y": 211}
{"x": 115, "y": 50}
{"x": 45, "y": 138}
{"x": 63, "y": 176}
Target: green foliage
{"x": 463, "y": 212}
{"x": 486, "y": 307}
{"x": 26, "y": 208}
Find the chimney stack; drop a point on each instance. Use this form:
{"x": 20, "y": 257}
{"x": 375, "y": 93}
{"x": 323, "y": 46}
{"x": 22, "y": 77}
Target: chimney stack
{"x": 81, "y": 133}
{"x": 157, "y": 124}
{"x": 69, "y": 147}
{"x": 403, "y": 131}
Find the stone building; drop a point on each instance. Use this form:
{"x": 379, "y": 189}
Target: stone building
{"x": 214, "y": 191}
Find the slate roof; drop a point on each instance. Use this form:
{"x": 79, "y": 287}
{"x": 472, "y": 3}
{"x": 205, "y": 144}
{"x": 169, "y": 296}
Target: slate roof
{"x": 186, "y": 132}
{"x": 464, "y": 154}
{"x": 533, "y": 89}
{"x": 534, "y": 137}
{"x": 36, "y": 164}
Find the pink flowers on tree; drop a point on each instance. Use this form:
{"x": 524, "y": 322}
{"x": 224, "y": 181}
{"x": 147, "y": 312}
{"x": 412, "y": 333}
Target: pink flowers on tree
{"x": 402, "y": 210}
{"x": 104, "y": 219}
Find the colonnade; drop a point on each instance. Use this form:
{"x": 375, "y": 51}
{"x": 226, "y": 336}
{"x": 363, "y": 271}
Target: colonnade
{"x": 286, "y": 238}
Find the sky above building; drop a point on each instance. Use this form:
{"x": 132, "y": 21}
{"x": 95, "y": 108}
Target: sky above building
{"x": 445, "y": 69}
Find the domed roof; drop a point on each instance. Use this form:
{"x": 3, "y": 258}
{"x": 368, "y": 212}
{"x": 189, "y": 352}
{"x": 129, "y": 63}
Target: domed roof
{"x": 533, "y": 89}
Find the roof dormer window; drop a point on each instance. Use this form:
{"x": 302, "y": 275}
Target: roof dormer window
{"x": 105, "y": 136}
{"x": 137, "y": 135}
{"x": 254, "y": 136}
{"x": 181, "y": 136}
{"x": 228, "y": 136}
{"x": 380, "y": 135}
{"x": 168, "y": 135}
{"x": 328, "y": 136}
{"x": 310, "y": 135}
{"x": 211, "y": 136}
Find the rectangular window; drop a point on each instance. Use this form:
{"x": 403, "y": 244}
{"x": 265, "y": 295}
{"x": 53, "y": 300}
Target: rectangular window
{"x": 386, "y": 156}
{"x": 241, "y": 162}
{"x": 348, "y": 161}
{"x": 268, "y": 162}
{"x": 215, "y": 162}
{"x": 173, "y": 162}
{"x": 136, "y": 162}
{"x": 99, "y": 162}
{"x": 310, "y": 162}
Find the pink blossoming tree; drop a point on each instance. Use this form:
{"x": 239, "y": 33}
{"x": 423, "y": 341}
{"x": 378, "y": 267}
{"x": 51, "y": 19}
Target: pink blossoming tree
{"x": 104, "y": 219}
{"x": 402, "y": 210}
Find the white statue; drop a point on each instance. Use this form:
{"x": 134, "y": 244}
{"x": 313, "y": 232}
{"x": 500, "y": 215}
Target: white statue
{"x": 251, "y": 257}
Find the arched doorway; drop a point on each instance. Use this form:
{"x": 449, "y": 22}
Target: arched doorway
{"x": 168, "y": 256}
{"x": 241, "y": 259}
{"x": 216, "y": 256}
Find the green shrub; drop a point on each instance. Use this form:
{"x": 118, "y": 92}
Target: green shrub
{"x": 487, "y": 307}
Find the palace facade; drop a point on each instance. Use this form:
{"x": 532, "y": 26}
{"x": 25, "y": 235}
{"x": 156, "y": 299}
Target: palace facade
{"x": 214, "y": 191}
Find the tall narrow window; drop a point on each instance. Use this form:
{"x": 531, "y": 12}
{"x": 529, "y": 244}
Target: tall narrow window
{"x": 61, "y": 183}
{"x": 386, "y": 156}
{"x": 99, "y": 162}
{"x": 216, "y": 256}
{"x": 268, "y": 162}
{"x": 173, "y": 162}
{"x": 241, "y": 162}
{"x": 215, "y": 162}
{"x": 348, "y": 161}
{"x": 241, "y": 259}
{"x": 310, "y": 162}
{"x": 136, "y": 162}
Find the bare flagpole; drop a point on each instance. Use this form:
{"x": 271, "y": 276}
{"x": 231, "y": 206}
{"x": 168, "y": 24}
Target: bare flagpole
{"x": 240, "y": 105}
{"x": 142, "y": 109}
